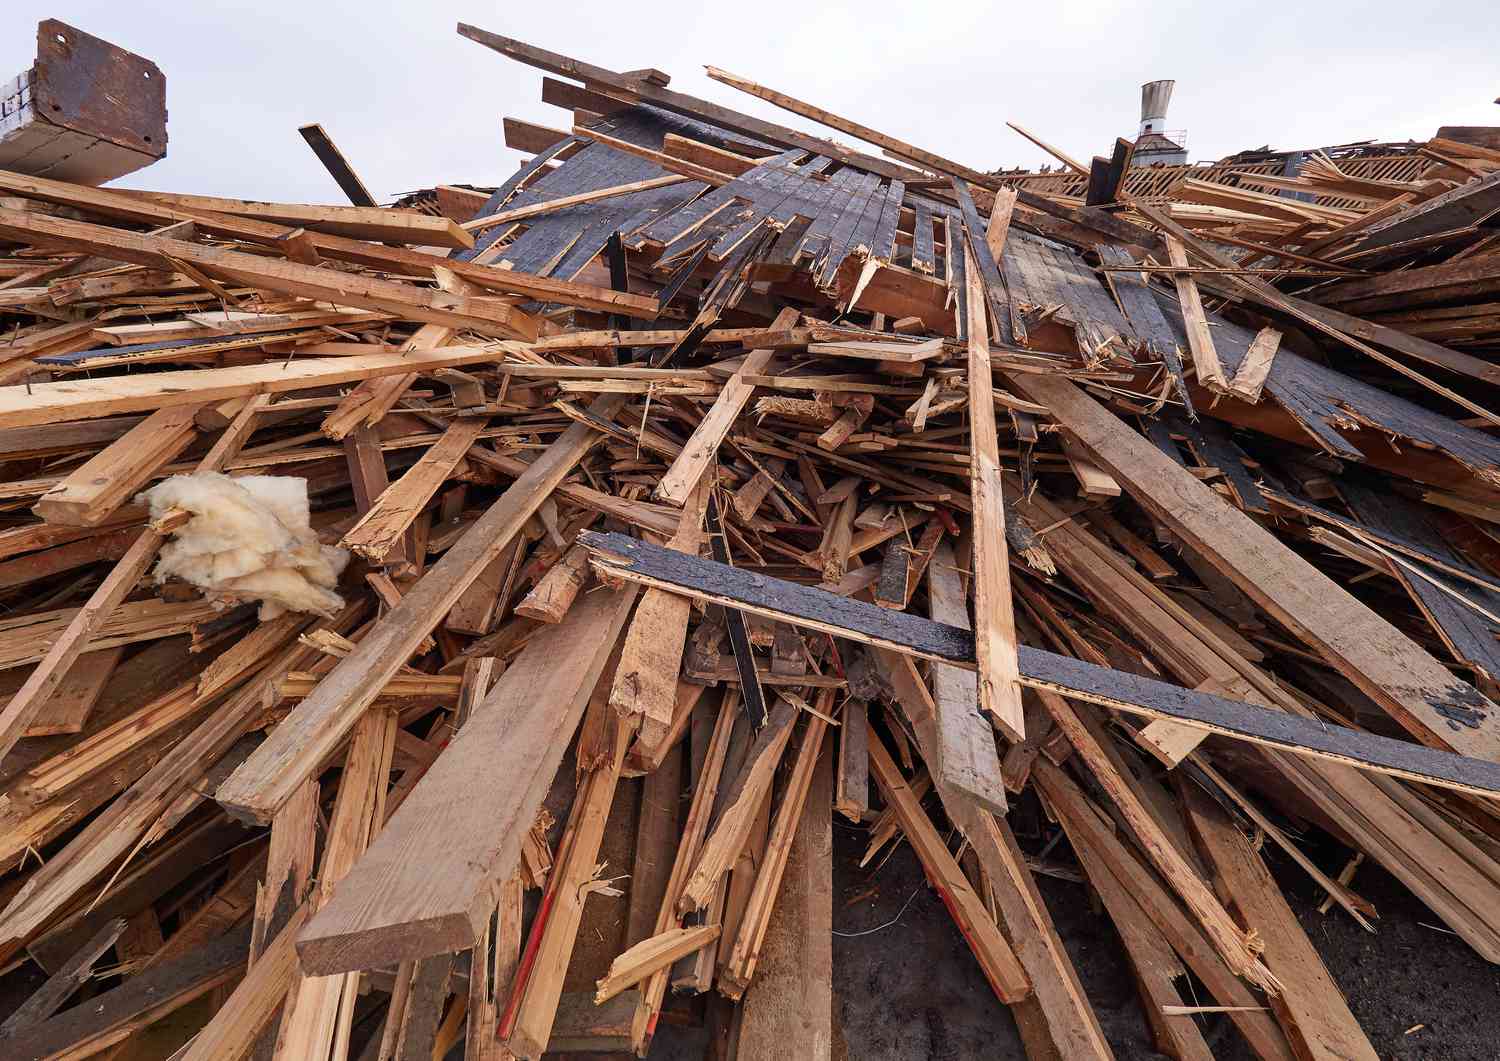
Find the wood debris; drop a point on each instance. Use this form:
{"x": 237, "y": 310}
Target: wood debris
{"x": 695, "y": 478}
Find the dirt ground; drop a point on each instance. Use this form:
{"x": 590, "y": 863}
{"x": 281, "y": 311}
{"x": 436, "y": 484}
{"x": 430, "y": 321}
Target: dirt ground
{"x": 912, "y": 991}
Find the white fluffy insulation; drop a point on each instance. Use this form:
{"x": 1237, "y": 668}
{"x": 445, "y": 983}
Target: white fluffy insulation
{"x": 249, "y": 539}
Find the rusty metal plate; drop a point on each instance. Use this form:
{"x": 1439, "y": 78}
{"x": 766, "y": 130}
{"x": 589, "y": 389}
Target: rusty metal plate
{"x": 94, "y": 87}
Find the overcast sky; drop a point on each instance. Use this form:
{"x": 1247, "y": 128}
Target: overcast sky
{"x": 412, "y": 104}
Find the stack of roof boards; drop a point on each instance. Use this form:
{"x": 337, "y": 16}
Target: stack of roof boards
{"x": 705, "y": 480}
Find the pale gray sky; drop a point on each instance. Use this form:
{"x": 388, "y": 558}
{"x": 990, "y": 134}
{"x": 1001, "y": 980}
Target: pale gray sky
{"x": 412, "y": 104}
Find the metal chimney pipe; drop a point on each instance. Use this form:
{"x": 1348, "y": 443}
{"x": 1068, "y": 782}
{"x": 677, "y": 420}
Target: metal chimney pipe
{"x": 1155, "y": 95}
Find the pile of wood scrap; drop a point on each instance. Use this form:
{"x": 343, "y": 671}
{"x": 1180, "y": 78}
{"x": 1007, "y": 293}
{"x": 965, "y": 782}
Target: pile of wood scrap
{"x": 704, "y": 480}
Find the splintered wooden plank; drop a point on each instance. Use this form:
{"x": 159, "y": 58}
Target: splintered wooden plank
{"x": 1233, "y": 945}
{"x": 694, "y": 828}
{"x": 380, "y": 528}
{"x": 703, "y": 445}
{"x": 852, "y": 792}
{"x": 1157, "y": 970}
{"x": 59, "y": 987}
{"x": 68, "y": 709}
{"x": 476, "y": 611}
{"x": 961, "y": 771}
{"x": 111, "y": 1017}
{"x": 772, "y": 854}
{"x": 964, "y": 755}
{"x": 995, "y": 629}
{"x": 907, "y": 353}
{"x": 320, "y": 1009}
{"x": 1104, "y": 855}
{"x": 1092, "y": 480}
{"x": 645, "y": 682}
{"x": 521, "y": 213}
{"x": 1250, "y": 377}
{"x": 739, "y": 807}
{"x": 526, "y": 1025}
{"x": 1312, "y": 1009}
{"x": 396, "y": 903}
{"x": 89, "y": 495}
{"x": 805, "y": 606}
{"x": 52, "y": 669}
{"x": 632, "y": 966}
{"x": 552, "y": 596}
{"x": 1200, "y": 340}
{"x": 1056, "y": 1020}
{"x": 1395, "y": 672}
{"x": 981, "y": 261}
{"x": 302, "y": 740}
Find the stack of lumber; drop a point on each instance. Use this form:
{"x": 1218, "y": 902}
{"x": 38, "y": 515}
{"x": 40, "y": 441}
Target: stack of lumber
{"x": 702, "y": 481}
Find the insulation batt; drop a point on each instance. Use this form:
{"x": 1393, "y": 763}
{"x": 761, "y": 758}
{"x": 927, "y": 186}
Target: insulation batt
{"x": 249, "y": 539}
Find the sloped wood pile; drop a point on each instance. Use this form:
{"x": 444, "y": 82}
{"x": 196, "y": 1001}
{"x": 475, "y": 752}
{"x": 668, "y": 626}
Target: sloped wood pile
{"x": 704, "y": 480}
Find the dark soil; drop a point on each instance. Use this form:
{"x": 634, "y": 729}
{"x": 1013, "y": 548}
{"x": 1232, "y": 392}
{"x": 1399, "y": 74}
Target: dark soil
{"x": 913, "y": 992}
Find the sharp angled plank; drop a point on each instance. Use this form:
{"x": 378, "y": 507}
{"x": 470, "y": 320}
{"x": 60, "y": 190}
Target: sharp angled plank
{"x": 398, "y": 505}
{"x": 394, "y": 905}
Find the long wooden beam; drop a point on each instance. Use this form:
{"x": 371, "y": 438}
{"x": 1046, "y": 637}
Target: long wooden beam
{"x": 994, "y": 619}
{"x": 1066, "y": 159}
{"x": 1001, "y": 968}
{"x": 356, "y": 222}
{"x": 1417, "y": 690}
{"x": 787, "y": 1010}
{"x": 1127, "y": 883}
{"x": 490, "y": 316}
{"x": 27, "y": 405}
{"x": 1313, "y": 1011}
{"x": 112, "y": 204}
{"x": 522, "y": 213}
{"x": 963, "y": 756}
{"x": 900, "y": 148}
{"x": 336, "y": 164}
{"x": 617, "y": 556}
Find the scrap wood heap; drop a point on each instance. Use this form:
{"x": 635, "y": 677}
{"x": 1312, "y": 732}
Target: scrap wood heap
{"x": 669, "y": 472}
